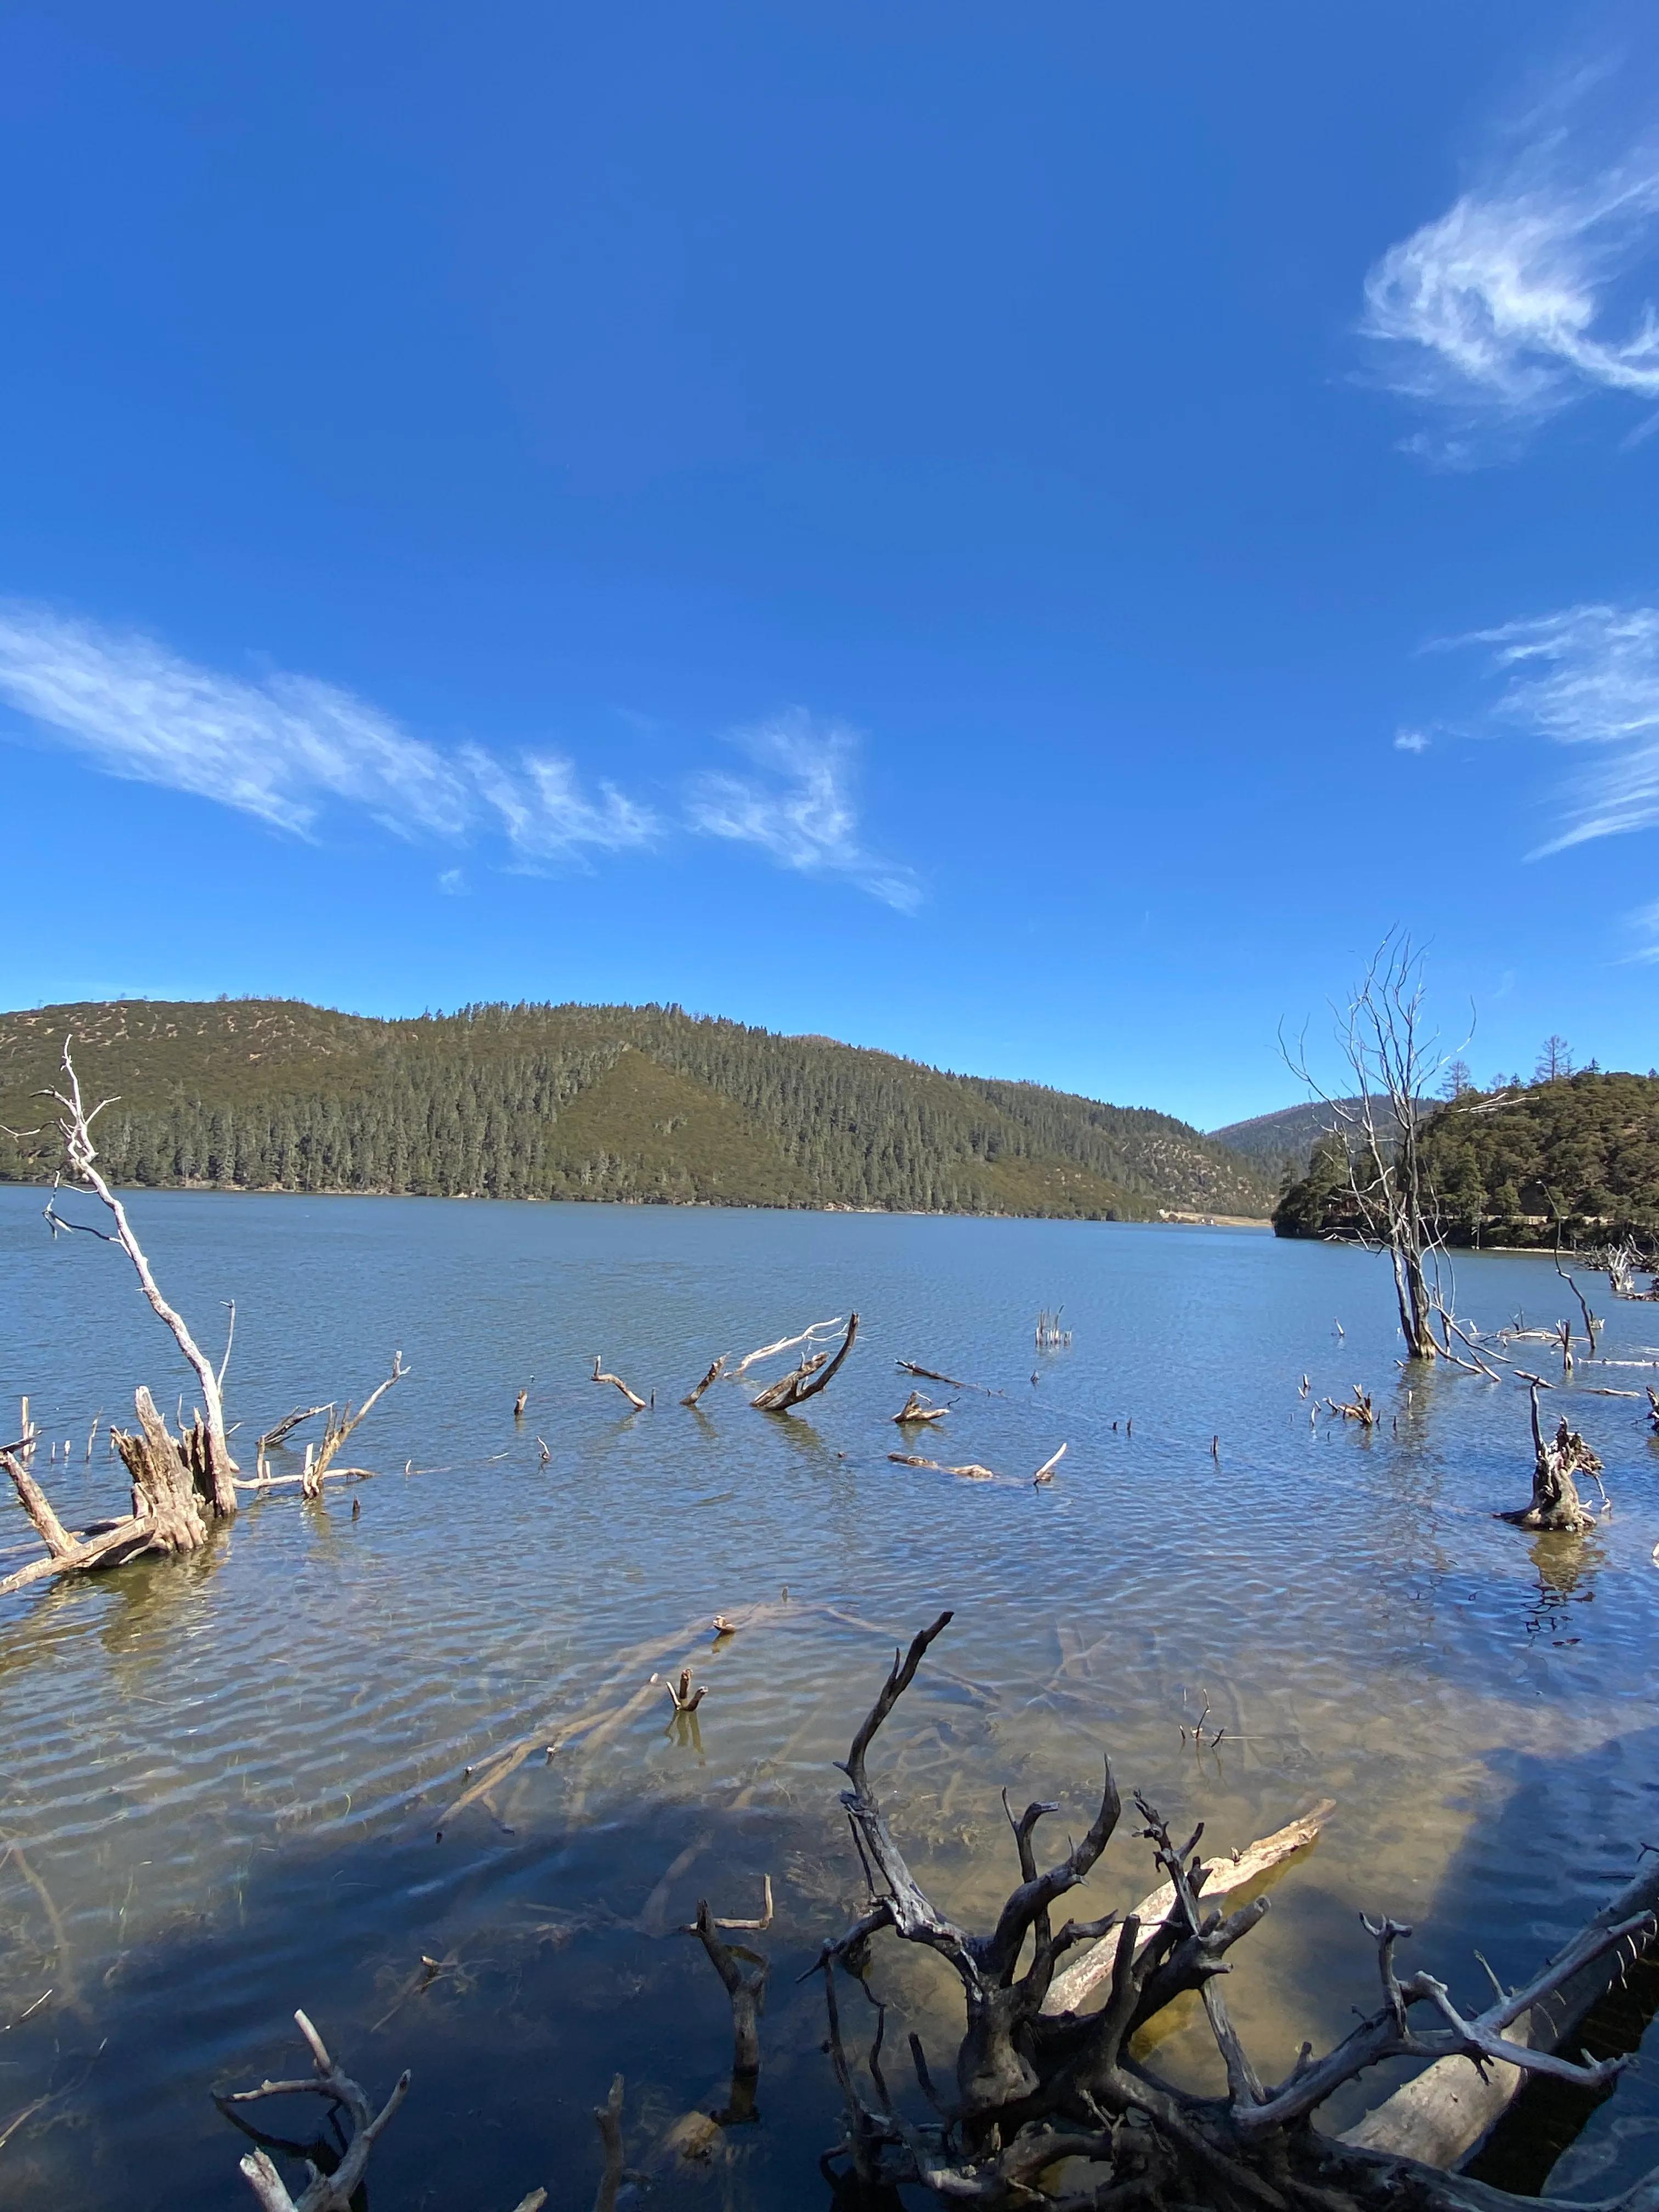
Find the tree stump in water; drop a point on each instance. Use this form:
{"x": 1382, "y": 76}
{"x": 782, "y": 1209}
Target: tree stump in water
{"x": 171, "y": 1476}
{"x": 1556, "y": 1505}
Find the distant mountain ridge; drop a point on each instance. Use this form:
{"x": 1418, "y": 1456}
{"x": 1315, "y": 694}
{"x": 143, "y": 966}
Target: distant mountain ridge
{"x": 643, "y": 1103}
{"x": 1282, "y": 1144}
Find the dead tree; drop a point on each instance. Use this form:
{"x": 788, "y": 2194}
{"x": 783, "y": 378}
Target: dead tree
{"x": 1555, "y": 1503}
{"x": 1033, "y": 2088}
{"x": 815, "y": 1372}
{"x": 1653, "y": 1409}
{"x": 78, "y": 1164}
{"x": 916, "y": 1410}
{"x": 171, "y": 1507}
{"x": 1379, "y": 1036}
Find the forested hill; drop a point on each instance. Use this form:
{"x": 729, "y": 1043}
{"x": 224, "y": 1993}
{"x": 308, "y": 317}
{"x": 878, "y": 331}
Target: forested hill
{"x": 1579, "y": 1154}
{"x": 636, "y": 1103}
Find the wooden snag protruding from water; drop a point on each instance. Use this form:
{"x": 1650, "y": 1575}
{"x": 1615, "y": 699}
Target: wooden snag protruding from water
{"x": 744, "y": 1974}
{"x": 77, "y": 1160}
{"x": 1045, "y": 1472}
{"x": 815, "y": 1372}
{"x": 1034, "y": 2086}
{"x": 330, "y": 2191}
{"x": 336, "y": 2166}
{"x": 915, "y": 1410}
{"x": 712, "y": 1376}
{"x": 1358, "y": 1408}
{"x": 1556, "y": 1504}
{"x": 521, "y": 1401}
{"x": 602, "y": 1374}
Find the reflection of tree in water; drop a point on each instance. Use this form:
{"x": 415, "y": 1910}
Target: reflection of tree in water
{"x": 1566, "y": 1567}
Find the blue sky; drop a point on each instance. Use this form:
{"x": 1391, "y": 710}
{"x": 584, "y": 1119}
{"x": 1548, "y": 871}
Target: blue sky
{"x": 1026, "y": 538}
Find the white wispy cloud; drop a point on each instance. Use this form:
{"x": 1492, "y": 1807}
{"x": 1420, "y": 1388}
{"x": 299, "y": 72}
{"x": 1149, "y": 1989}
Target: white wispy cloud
{"x": 1646, "y": 922}
{"x": 803, "y": 814}
{"x": 1413, "y": 741}
{"x": 1588, "y": 676}
{"x": 284, "y": 747}
{"x": 1505, "y": 309}
{"x": 544, "y": 812}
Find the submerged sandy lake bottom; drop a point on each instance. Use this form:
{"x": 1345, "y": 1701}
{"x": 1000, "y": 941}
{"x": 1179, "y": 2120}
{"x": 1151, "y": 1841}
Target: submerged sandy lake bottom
{"x": 219, "y": 1779}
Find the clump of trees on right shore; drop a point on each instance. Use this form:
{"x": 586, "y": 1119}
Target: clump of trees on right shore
{"x": 1570, "y": 1159}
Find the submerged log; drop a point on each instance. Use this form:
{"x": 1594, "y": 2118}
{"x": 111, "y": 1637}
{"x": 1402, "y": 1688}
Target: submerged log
{"x": 971, "y": 1470}
{"x": 1443, "y": 2115}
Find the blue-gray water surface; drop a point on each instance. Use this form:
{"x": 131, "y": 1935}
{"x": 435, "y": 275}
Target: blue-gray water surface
{"x": 222, "y": 1776}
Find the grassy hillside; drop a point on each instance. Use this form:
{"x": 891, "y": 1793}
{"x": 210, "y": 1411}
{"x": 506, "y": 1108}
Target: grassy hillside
{"x": 639, "y": 1103}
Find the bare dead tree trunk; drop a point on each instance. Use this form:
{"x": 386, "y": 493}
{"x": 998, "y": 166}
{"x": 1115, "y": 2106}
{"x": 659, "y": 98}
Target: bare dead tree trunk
{"x": 1379, "y": 1036}
{"x": 79, "y": 1164}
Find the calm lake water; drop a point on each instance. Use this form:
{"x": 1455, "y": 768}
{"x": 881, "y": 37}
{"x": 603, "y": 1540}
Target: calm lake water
{"x": 221, "y": 1777}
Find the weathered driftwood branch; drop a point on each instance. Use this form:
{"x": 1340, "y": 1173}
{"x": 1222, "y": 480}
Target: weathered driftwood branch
{"x": 815, "y": 1372}
{"x": 1555, "y": 1501}
{"x": 712, "y": 1376}
{"x": 602, "y": 1374}
{"x": 915, "y": 1410}
{"x": 1035, "y": 2088}
{"x": 1358, "y": 1408}
{"x": 331, "y": 2191}
{"x": 79, "y": 1164}
{"x": 336, "y": 1433}
{"x": 285, "y": 1428}
{"x": 808, "y": 1337}
{"x": 1045, "y": 1472}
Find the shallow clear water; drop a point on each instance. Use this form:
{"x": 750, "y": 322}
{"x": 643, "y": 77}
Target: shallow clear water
{"x": 222, "y": 1776}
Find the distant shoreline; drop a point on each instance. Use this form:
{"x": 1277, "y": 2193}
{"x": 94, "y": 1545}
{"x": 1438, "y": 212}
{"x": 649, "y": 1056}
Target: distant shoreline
{"x": 1158, "y": 1220}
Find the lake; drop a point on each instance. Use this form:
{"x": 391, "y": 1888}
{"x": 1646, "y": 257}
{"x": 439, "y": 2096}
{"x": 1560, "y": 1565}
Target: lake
{"x": 223, "y": 1776}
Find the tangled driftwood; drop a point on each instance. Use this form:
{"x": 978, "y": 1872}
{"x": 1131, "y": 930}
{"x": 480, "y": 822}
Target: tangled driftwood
{"x": 1062, "y": 2095}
